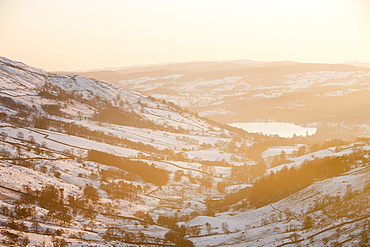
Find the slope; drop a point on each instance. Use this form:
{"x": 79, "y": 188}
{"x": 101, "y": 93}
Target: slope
{"x": 85, "y": 163}
{"x": 56, "y": 188}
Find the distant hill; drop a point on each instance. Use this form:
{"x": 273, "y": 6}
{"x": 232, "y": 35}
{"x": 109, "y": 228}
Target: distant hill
{"x": 240, "y": 91}
{"x": 359, "y": 64}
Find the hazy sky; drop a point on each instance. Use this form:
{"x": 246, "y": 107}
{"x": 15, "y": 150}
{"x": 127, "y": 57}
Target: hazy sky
{"x": 88, "y": 34}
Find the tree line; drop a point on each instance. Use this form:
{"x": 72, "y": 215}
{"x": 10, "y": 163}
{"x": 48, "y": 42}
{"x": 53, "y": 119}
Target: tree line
{"x": 280, "y": 184}
{"x": 287, "y": 181}
{"x": 149, "y": 173}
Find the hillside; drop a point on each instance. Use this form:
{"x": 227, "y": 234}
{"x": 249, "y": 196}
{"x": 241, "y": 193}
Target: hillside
{"x": 54, "y": 128}
{"x": 85, "y": 163}
{"x": 244, "y": 91}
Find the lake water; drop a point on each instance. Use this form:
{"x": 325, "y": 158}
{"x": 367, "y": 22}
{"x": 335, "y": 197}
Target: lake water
{"x": 275, "y": 128}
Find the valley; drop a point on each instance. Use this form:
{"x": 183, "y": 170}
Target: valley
{"x": 88, "y": 163}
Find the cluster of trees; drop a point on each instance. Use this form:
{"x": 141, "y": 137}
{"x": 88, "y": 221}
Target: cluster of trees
{"x": 51, "y": 91}
{"x": 119, "y": 234}
{"x": 121, "y": 189}
{"x": 168, "y": 221}
{"x": 149, "y": 173}
{"x": 116, "y": 233}
{"x": 23, "y": 111}
{"x": 114, "y": 115}
{"x": 280, "y": 159}
{"x": 52, "y": 109}
{"x": 177, "y": 233}
{"x": 25, "y": 209}
{"x": 14, "y": 239}
{"x": 114, "y": 173}
{"x": 91, "y": 193}
{"x": 178, "y": 237}
{"x": 20, "y": 211}
{"x": 247, "y": 173}
{"x": 61, "y": 208}
{"x": 144, "y": 216}
{"x": 50, "y": 198}
{"x": 12, "y": 104}
{"x": 278, "y": 185}
{"x": 117, "y": 116}
{"x": 222, "y": 163}
{"x": 206, "y": 181}
{"x": 285, "y": 182}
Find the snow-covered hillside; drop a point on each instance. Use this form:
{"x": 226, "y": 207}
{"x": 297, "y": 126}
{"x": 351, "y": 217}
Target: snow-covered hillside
{"x": 330, "y": 212}
{"x": 85, "y": 163}
{"x": 51, "y": 123}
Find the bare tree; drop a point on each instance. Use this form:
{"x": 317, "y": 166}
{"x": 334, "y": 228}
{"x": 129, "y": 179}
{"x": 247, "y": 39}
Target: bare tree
{"x": 208, "y": 228}
{"x": 3, "y": 136}
{"x": 20, "y": 135}
{"x": 32, "y": 139}
{"x": 225, "y": 227}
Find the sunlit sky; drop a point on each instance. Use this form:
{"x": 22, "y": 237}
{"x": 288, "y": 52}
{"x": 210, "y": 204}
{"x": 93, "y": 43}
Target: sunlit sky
{"x": 89, "y": 34}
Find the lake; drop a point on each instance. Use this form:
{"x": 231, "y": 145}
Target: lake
{"x": 275, "y": 128}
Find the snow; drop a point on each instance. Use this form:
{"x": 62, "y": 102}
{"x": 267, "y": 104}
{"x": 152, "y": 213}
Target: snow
{"x": 236, "y": 187}
{"x": 330, "y": 152}
{"x": 262, "y": 227}
{"x": 209, "y": 154}
{"x": 319, "y": 77}
{"x": 273, "y": 151}
{"x": 61, "y": 142}
{"x": 275, "y": 128}
{"x": 16, "y": 177}
{"x": 265, "y": 226}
